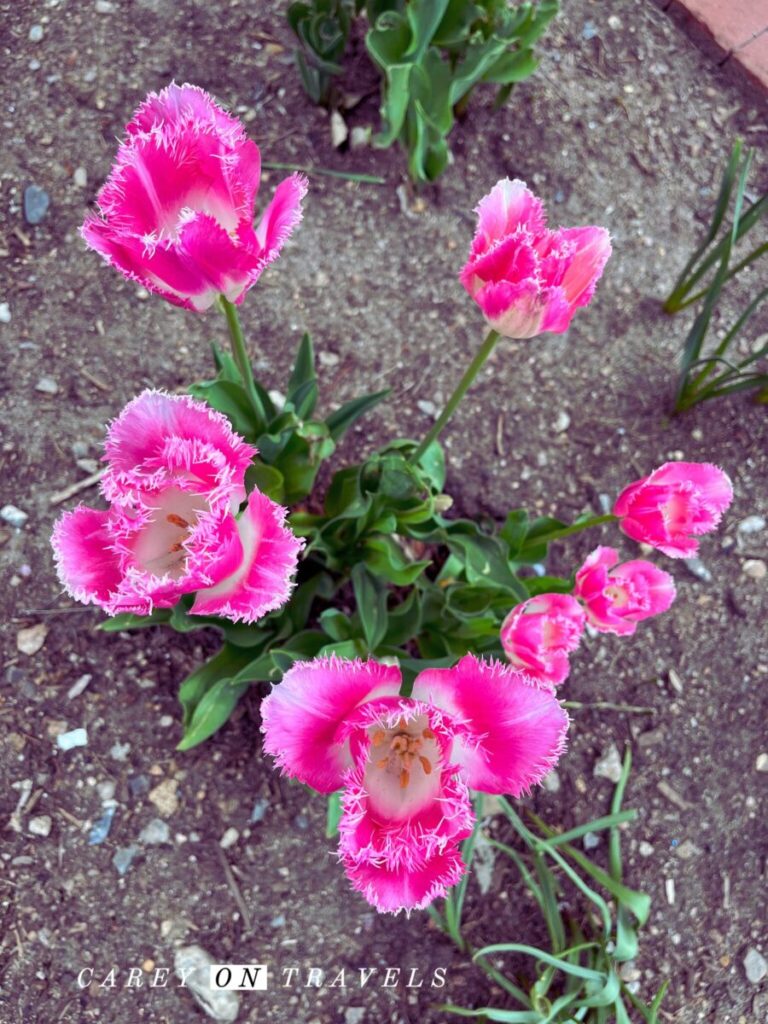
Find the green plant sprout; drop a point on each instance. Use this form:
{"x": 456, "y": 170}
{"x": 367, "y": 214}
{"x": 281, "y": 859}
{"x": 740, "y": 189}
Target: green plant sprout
{"x": 577, "y": 979}
{"x": 715, "y": 372}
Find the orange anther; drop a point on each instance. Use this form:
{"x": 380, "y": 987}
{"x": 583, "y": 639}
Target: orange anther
{"x": 177, "y": 520}
{"x": 403, "y": 778}
{"x": 426, "y": 764}
{"x": 428, "y": 734}
{"x": 378, "y": 737}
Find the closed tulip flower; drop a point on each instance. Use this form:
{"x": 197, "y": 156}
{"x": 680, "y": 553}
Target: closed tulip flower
{"x": 527, "y": 279}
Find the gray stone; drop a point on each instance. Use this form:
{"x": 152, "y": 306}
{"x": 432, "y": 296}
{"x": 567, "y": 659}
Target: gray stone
{"x": 752, "y": 524}
{"x": 551, "y": 781}
{"x": 229, "y": 838}
{"x": 696, "y": 568}
{"x": 755, "y": 568}
{"x": 40, "y": 826}
{"x": 36, "y": 34}
{"x": 591, "y": 841}
{"x": 36, "y": 203}
{"x": 755, "y": 966}
{"x": 123, "y": 858}
{"x": 609, "y": 765}
{"x": 155, "y": 833}
{"x": 5, "y": 313}
{"x": 259, "y": 810}
{"x": 47, "y": 386}
{"x": 73, "y": 738}
{"x": 192, "y": 963}
{"x": 13, "y": 516}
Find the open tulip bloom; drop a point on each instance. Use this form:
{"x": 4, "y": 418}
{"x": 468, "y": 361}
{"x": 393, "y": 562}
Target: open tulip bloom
{"x": 176, "y": 213}
{"x": 175, "y": 481}
{"x": 406, "y": 764}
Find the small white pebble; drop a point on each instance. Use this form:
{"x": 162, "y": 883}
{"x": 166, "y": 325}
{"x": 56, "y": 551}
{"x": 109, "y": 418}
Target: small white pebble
{"x": 755, "y": 568}
{"x": 40, "y": 826}
{"x": 669, "y": 890}
{"x": 5, "y": 313}
{"x": 72, "y": 739}
{"x": 229, "y": 838}
{"x": 80, "y": 177}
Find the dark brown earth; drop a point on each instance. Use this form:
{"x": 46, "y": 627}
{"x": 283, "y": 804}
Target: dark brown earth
{"x": 629, "y": 129}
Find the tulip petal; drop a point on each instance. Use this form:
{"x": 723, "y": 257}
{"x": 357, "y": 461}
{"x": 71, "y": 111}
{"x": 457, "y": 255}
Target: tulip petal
{"x": 392, "y": 890}
{"x": 303, "y": 714}
{"x": 281, "y": 216}
{"x": 160, "y": 439}
{"x": 508, "y": 206}
{"x": 513, "y": 732}
{"x": 86, "y": 563}
{"x": 592, "y": 248}
{"x": 262, "y": 581}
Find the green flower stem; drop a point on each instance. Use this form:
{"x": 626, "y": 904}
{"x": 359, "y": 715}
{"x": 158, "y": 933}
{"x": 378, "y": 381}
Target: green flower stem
{"x": 463, "y": 386}
{"x": 568, "y": 531}
{"x": 239, "y": 352}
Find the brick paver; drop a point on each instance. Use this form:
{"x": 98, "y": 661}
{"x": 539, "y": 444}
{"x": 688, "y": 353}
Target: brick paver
{"x": 740, "y": 29}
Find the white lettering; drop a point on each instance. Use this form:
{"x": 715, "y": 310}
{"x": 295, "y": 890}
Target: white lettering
{"x": 109, "y": 981}
{"x": 81, "y": 983}
{"x": 411, "y": 982}
{"x": 314, "y": 978}
{"x": 438, "y": 977}
{"x": 134, "y": 978}
{"x": 289, "y": 971}
{"x": 366, "y": 974}
{"x": 394, "y": 974}
{"x": 160, "y": 977}
{"x": 185, "y": 973}
{"x": 339, "y": 981}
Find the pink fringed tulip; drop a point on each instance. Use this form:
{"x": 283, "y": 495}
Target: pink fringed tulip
{"x": 406, "y": 763}
{"x": 526, "y": 279}
{"x": 617, "y": 597}
{"x": 539, "y": 634}
{"x": 177, "y": 211}
{"x": 677, "y": 502}
{"x": 175, "y": 480}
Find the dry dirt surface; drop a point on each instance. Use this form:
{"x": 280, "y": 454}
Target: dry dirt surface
{"x": 628, "y": 126}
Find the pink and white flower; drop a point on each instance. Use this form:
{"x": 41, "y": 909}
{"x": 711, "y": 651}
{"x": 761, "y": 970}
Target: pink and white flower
{"x": 177, "y": 211}
{"x": 175, "y": 479}
{"x": 676, "y": 503}
{"x": 539, "y": 634}
{"x": 406, "y": 764}
{"x": 527, "y": 279}
{"x": 617, "y": 597}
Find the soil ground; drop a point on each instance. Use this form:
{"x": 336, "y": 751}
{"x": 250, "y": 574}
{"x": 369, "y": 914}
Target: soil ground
{"x": 626, "y": 126}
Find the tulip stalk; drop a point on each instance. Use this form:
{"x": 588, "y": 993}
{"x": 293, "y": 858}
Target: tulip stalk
{"x": 239, "y": 353}
{"x": 569, "y": 531}
{"x": 461, "y": 389}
